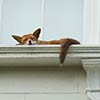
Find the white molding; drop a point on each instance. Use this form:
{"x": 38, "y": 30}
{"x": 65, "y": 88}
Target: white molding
{"x": 45, "y": 53}
{"x": 1, "y": 5}
{"x": 48, "y": 56}
{"x": 91, "y": 26}
{"x": 92, "y": 68}
{"x": 42, "y": 20}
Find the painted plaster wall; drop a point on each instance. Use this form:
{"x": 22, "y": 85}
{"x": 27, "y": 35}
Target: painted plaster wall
{"x": 61, "y": 19}
{"x": 42, "y": 84}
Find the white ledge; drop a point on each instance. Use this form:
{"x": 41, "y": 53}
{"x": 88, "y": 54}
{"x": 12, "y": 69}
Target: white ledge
{"x": 44, "y": 55}
{"x": 92, "y": 67}
{"x": 48, "y": 56}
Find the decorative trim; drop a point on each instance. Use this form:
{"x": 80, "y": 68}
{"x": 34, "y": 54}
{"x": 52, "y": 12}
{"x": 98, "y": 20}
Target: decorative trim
{"x": 1, "y": 5}
{"x": 47, "y": 56}
{"x": 81, "y": 51}
{"x": 91, "y": 22}
{"x": 46, "y": 52}
{"x": 42, "y": 19}
{"x": 92, "y": 68}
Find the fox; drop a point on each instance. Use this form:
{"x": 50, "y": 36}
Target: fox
{"x": 32, "y": 39}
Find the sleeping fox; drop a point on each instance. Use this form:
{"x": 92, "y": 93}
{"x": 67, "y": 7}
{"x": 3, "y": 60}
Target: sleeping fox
{"x": 32, "y": 38}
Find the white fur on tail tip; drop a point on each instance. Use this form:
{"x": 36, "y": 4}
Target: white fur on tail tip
{"x": 61, "y": 65}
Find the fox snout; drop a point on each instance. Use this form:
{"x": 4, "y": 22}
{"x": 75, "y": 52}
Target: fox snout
{"x": 30, "y": 42}
{"x": 28, "y": 39}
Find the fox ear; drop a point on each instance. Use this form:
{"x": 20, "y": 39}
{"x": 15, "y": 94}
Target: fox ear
{"x": 17, "y": 38}
{"x": 37, "y": 33}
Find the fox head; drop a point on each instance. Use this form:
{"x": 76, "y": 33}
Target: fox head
{"x": 28, "y": 39}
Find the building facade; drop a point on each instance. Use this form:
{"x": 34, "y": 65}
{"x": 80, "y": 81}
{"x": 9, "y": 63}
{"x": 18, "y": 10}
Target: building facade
{"x": 33, "y": 73}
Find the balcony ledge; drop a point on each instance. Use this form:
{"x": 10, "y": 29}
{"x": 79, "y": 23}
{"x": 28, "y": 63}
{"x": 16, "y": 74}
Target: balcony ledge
{"x": 48, "y": 56}
{"x": 44, "y": 55}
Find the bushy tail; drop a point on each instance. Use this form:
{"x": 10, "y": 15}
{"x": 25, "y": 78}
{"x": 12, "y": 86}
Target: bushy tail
{"x": 64, "y": 48}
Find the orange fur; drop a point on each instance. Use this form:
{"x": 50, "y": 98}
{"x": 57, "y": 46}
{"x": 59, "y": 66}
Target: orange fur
{"x": 33, "y": 37}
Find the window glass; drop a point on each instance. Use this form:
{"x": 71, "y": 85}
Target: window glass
{"x": 63, "y": 18}
{"x": 20, "y": 17}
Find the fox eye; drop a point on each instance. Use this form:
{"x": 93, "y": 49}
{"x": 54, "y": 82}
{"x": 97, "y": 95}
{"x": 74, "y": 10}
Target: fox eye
{"x": 25, "y": 39}
{"x": 33, "y": 38}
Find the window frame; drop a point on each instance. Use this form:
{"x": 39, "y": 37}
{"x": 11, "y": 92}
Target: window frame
{"x": 89, "y": 18}
{"x": 91, "y": 22}
{"x": 1, "y": 5}
{"x": 42, "y": 19}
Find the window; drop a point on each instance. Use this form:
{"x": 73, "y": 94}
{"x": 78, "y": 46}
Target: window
{"x": 63, "y": 18}
{"x": 79, "y": 19}
{"x": 19, "y": 17}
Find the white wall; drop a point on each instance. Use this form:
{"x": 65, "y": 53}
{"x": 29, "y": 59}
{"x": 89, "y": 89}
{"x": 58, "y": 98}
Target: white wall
{"x": 91, "y": 33}
{"x": 20, "y": 17}
{"x": 42, "y": 83}
{"x": 63, "y": 18}
{"x": 0, "y": 17}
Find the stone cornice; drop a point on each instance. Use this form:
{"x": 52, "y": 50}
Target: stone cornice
{"x": 45, "y": 54}
{"x": 75, "y": 49}
{"x": 48, "y": 55}
{"x": 92, "y": 68}
{"x": 78, "y": 51}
